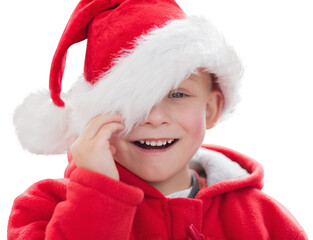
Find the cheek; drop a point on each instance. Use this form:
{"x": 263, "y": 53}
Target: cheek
{"x": 194, "y": 123}
{"x": 117, "y": 142}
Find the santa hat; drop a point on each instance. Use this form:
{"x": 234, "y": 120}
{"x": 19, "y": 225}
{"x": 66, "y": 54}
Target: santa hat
{"x": 137, "y": 52}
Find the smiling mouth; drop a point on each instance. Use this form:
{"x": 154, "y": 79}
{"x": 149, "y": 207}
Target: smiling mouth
{"x": 145, "y": 144}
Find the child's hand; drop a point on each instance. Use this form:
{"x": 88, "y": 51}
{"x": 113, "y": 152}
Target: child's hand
{"x": 92, "y": 149}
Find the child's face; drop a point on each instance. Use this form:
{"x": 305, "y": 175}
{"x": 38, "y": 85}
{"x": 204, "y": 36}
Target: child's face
{"x": 179, "y": 122}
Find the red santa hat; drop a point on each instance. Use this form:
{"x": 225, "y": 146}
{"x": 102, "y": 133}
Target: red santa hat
{"x": 137, "y": 52}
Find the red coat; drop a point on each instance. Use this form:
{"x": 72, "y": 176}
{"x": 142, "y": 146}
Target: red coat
{"x": 88, "y": 205}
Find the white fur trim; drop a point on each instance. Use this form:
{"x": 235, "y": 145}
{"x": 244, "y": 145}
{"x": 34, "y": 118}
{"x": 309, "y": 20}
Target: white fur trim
{"x": 161, "y": 60}
{"x": 139, "y": 80}
{"x": 40, "y": 125}
{"x": 217, "y": 166}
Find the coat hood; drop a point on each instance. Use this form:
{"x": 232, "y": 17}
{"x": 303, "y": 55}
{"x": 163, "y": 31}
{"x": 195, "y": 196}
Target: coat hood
{"x": 226, "y": 170}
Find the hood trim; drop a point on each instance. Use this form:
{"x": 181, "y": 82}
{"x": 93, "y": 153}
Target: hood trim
{"x": 216, "y": 166}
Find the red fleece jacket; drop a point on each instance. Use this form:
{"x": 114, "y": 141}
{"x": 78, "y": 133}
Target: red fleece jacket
{"x": 88, "y": 205}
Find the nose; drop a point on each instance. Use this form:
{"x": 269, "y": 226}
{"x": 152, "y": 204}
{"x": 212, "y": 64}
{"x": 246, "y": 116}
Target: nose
{"x": 157, "y": 116}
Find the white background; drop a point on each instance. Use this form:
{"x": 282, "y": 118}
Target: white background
{"x": 273, "y": 123}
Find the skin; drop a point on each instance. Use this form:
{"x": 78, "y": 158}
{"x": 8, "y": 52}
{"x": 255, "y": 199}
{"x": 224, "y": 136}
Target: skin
{"x": 184, "y": 115}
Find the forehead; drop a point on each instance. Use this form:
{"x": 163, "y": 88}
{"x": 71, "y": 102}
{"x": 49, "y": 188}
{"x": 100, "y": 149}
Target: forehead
{"x": 201, "y": 79}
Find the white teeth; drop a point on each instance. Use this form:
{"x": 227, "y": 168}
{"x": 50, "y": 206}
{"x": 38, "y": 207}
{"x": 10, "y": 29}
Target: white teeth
{"x": 153, "y": 143}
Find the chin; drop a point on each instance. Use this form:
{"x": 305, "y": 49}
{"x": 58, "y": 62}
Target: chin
{"x": 152, "y": 176}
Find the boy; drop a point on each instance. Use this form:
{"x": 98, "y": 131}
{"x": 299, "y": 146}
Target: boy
{"x": 154, "y": 81}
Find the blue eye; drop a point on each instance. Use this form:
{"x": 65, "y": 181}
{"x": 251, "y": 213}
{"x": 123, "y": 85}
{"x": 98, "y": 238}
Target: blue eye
{"x": 177, "y": 95}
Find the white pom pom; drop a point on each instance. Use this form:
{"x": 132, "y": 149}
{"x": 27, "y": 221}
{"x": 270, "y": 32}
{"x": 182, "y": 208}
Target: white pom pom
{"x": 41, "y": 126}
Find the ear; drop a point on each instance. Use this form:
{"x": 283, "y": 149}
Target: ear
{"x": 214, "y": 107}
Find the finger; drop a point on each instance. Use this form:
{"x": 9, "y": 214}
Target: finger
{"x": 94, "y": 125}
{"x": 106, "y": 131}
